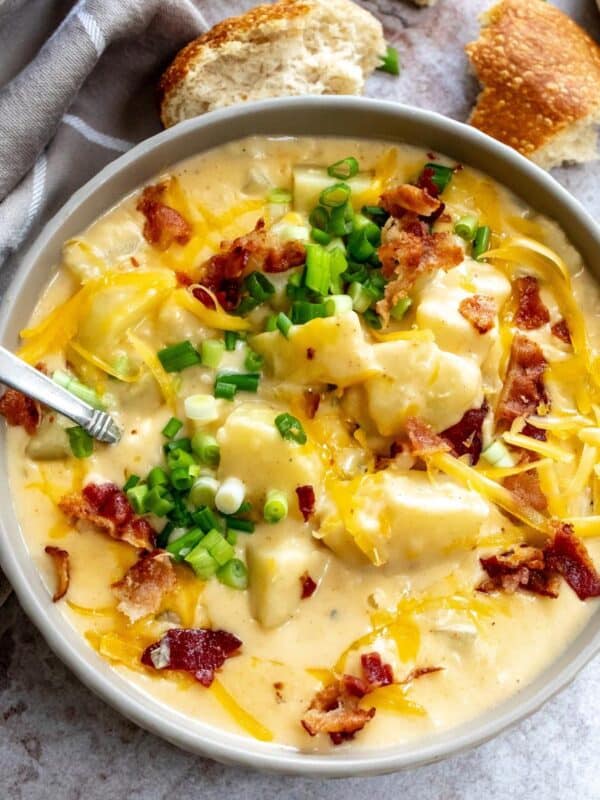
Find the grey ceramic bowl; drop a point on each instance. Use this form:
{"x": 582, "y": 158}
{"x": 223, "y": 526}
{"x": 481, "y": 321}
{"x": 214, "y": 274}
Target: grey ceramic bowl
{"x": 317, "y": 116}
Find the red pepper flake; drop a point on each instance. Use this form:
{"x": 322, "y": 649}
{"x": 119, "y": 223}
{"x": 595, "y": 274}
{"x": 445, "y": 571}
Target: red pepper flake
{"x": 308, "y": 586}
{"x": 199, "y": 651}
{"x": 310, "y": 353}
{"x": 134, "y": 261}
{"x": 561, "y": 330}
{"x": 306, "y": 501}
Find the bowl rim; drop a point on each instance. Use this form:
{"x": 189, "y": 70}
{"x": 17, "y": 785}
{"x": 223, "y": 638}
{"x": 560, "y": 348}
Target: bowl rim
{"x": 164, "y": 721}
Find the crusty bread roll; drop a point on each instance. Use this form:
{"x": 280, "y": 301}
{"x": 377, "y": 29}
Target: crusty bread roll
{"x": 541, "y": 82}
{"x": 291, "y": 47}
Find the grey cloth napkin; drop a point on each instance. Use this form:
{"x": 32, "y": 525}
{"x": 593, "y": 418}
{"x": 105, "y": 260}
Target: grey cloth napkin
{"x": 76, "y": 90}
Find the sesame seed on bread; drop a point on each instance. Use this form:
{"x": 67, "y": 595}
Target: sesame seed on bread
{"x": 289, "y": 47}
{"x": 540, "y": 74}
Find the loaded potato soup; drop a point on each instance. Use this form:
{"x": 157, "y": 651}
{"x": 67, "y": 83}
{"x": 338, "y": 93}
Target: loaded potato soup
{"x": 357, "y": 489}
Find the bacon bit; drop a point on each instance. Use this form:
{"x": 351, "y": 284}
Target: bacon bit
{"x": 183, "y": 279}
{"x": 561, "y": 330}
{"x": 310, "y": 353}
{"x": 60, "y": 559}
{"x": 531, "y": 311}
{"x": 375, "y": 672}
{"x": 134, "y": 261}
{"x": 312, "y": 401}
{"x": 164, "y": 225}
{"x": 107, "y": 507}
{"x": 568, "y": 556}
{"x": 533, "y": 432}
{"x": 308, "y": 586}
{"x": 422, "y": 439}
{"x": 19, "y": 409}
{"x": 480, "y": 310}
{"x": 524, "y": 568}
{"x": 419, "y": 672}
{"x": 466, "y": 437}
{"x": 523, "y": 389}
{"x": 306, "y": 501}
{"x": 426, "y": 181}
{"x": 223, "y": 272}
{"x": 199, "y": 651}
{"x": 141, "y": 590}
{"x": 204, "y": 297}
{"x": 409, "y": 250}
{"x": 335, "y": 710}
{"x": 526, "y": 487}
{"x": 420, "y": 200}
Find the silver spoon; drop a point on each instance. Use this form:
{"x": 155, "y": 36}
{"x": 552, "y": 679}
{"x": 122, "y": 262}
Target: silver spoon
{"x": 19, "y": 375}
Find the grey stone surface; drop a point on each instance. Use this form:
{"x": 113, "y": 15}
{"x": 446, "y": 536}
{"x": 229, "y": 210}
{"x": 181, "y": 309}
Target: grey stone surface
{"x": 59, "y": 741}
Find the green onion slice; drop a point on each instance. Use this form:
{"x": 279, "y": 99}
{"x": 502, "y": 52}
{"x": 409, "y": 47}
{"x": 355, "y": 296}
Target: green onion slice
{"x": 319, "y": 218}
{"x": 179, "y": 356}
{"x": 335, "y": 196}
{"x": 71, "y": 384}
{"x": 172, "y": 428}
{"x": 481, "y": 244}
{"x": 390, "y": 62}
{"x": 276, "y": 506}
{"x": 466, "y": 227}
{"x": 344, "y": 169}
{"x": 290, "y": 428}
{"x": 206, "y": 448}
{"x": 233, "y": 574}
{"x": 82, "y": 444}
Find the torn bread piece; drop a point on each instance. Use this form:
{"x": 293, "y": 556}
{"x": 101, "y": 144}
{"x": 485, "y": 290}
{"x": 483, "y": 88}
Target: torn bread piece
{"x": 541, "y": 82}
{"x": 292, "y": 47}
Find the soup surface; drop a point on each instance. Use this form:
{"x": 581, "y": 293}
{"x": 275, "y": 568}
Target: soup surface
{"x": 356, "y": 493}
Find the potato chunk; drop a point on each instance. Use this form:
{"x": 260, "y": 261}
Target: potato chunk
{"x": 419, "y": 379}
{"x": 254, "y": 451}
{"x": 276, "y": 563}
{"x": 329, "y": 350}
{"x": 401, "y": 518}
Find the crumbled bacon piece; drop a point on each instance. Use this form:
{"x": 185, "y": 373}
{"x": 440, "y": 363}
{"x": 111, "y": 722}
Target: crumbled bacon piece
{"x": 568, "y": 556}
{"x": 375, "y": 672}
{"x": 223, "y": 272}
{"x": 141, "y": 590}
{"x": 561, "y": 330}
{"x": 201, "y": 294}
{"x": 336, "y": 710}
{"x": 466, "y": 436}
{"x": 414, "y": 199}
{"x": 60, "y": 559}
{"x": 107, "y": 507}
{"x": 419, "y": 672}
{"x": 307, "y": 586}
{"x": 426, "y": 181}
{"x": 522, "y": 567}
{"x": 523, "y": 389}
{"x": 19, "y": 409}
{"x": 409, "y": 250}
{"x": 199, "y": 651}
{"x": 422, "y": 439}
{"x": 526, "y": 488}
{"x": 164, "y": 225}
{"x": 534, "y": 433}
{"x": 531, "y": 311}
{"x": 480, "y": 310}
{"x": 306, "y": 501}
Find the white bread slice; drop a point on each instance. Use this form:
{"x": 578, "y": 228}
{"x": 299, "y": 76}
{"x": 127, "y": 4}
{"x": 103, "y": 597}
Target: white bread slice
{"x": 541, "y": 82}
{"x": 290, "y": 47}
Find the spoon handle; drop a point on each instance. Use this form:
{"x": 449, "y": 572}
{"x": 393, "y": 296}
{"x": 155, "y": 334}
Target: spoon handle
{"x": 21, "y": 376}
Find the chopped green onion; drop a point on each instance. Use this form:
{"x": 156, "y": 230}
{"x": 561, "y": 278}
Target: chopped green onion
{"x": 284, "y": 323}
{"x": 361, "y": 297}
{"x": 259, "y": 286}
{"x": 162, "y": 539}
{"x": 340, "y": 221}
{"x": 319, "y": 236}
{"x": 203, "y": 491}
{"x": 82, "y": 444}
{"x": 179, "y": 515}
{"x": 221, "y": 551}
{"x": 206, "y": 448}
{"x": 77, "y": 388}
{"x": 400, "y": 308}
{"x": 179, "y": 356}
{"x": 231, "y": 536}
{"x": 376, "y": 213}
{"x": 205, "y": 519}
{"x": 336, "y": 244}
{"x": 224, "y": 391}
{"x": 372, "y": 319}
{"x": 279, "y": 196}
{"x": 181, "y": 479}
{"x": 360, "y": 246}
{"x": 157, "y": 477}
{"x": 338, "y": 264}
{"x": 271, "y": 323}
{"x": 237, "y": 524}
{"x": 253, "y": 361}
{"x": 212, "y": 352}
{"x": 201, "y": 408}
{"x": 233, "y": 574}
{"x": 244, "y": 381}
{"x": 290, "y": 428}
{"x": 179, "y": 459}
{"x": 276, "y": 506}
{"x": 390, "y": 61}
{"x": 498, "y": 455}
{"x": 466, "y": 227}
{"x": 338, "y": 304}
{"x": 441, "y": 174}
{"x": 481, "y": 244}
{"x": 180, "y": 546}
{"x": 317, "y": 271}
{"x": 246, "y": 305}
{"x": 201, "y": 561}
{"x": 355, "y": 273}
{"x": 131, "y": 481}
{"x": 303, "y": 311}
{"x": 231, "y": 339}
{"x": 319, "y": 218}
{"x": 245, "y": 508}
{"x": 335, "y": 196}
{"x": 158, "y": 501}
{"x": 230, "y": 495}
{"x": 344, "y": 169}
{"x": 172, "y": 428}
{"x": 183, "y": 443}
{"x": 137, "y": 496}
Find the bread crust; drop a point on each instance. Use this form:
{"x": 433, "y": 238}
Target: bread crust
{"x": 238, "y": 28}
{"x": 540, "y": 74}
